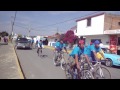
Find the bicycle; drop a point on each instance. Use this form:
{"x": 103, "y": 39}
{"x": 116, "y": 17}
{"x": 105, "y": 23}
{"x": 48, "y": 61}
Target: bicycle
{"x": 99, "y": 72}
{"x": 73, "y": 73}
{"x": 59, "y": 59}
{"x": 39, "y": 51}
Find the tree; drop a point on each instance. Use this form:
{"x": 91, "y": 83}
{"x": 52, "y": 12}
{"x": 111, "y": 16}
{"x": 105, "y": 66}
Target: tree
{"x": 70, "y": 37}
{"x": 4, "y": 33}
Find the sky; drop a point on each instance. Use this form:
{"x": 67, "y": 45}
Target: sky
{"x": 42, "y": 22}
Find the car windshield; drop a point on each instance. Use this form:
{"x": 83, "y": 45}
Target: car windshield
{"x": 22, "y": 40}
{"x": 106, "y": 50}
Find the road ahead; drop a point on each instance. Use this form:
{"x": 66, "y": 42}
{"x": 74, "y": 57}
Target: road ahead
{"x": 35, "y": 67}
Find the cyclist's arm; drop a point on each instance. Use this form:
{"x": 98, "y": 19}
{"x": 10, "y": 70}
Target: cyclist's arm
{"x": 65, "y": 50}
{"x": 94, "y": 53}
{"x": 86, "y": 57}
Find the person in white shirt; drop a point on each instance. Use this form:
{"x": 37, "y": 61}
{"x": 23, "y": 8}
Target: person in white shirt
{"x": 101, "y": 44}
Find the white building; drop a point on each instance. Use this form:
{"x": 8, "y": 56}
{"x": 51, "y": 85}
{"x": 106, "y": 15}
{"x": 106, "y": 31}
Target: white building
{"x": 101, "y": 26}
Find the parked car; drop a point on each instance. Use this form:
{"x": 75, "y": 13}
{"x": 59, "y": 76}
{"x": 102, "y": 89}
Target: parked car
{"x": 23, "y": 43}
{"x": 113, "y": 59}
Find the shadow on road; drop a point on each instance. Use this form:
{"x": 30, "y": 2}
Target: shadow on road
{"x": 24, "y": 49}
{"x": 43, "y": 56}
{"x": 116, "y": 67}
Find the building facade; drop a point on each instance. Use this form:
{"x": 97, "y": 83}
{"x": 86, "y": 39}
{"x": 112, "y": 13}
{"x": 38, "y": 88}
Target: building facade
{"x": 103, "y": 27}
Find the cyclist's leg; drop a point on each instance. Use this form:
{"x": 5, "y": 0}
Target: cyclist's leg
{"x": 38, "y": 51}
{"x": 55, "y": 55}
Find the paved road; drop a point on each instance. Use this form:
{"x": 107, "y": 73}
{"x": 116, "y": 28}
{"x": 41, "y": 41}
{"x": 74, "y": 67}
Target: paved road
{"x": 36, "y": 67}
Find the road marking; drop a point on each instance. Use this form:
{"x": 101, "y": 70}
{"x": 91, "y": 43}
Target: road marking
{"x": 18, "y": 65}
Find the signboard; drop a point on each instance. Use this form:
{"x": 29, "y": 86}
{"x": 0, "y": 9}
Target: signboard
{"x": 112, "y": 31}
{"x": 117, "y": 31}
{"x": 113, "y": 43}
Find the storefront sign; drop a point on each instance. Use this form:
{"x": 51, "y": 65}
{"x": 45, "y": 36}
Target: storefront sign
{"x": 110, "y": 32}
{"x": 117, "y": 31}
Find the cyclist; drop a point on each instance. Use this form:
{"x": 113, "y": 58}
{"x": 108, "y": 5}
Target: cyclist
{"x": 59, "y": 45}
{"x": 77, "y": 52}
{"x": 92, "y": 50}
{"x": 39, "y": 47}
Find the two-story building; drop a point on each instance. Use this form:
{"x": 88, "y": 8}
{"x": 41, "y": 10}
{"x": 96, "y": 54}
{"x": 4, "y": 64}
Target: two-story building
{"x": 103, "y": 27}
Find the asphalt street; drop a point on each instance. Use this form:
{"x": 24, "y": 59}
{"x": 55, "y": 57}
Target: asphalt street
{"x": 36, "y": 67}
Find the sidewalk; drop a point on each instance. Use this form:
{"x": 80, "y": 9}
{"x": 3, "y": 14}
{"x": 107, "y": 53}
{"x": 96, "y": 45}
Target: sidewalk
{"x": 49, "y": 47}
{"x": 9, "y": 66}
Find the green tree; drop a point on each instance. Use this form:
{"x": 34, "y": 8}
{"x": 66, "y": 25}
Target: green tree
{"x": 4, "y": 33}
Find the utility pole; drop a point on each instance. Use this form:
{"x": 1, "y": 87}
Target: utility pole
{"x": 13, "y": 22}
{"x": 29, "y": 30}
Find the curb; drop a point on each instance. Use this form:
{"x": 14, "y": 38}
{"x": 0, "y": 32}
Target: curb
{"x": 20, "y": 70}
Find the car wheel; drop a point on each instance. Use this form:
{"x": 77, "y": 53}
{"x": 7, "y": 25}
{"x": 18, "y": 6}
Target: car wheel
{"x": 109, "y": 63}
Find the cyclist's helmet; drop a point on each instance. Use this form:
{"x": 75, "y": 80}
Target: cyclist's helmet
{"x": 81, "y": 42}
{"x": 96, "y": 42}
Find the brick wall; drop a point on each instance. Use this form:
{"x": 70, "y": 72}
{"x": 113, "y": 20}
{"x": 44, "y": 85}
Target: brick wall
{"x": 111, "y": 22}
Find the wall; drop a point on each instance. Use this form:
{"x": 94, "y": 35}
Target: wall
{"x": 111, "y": 22}
{"x": 104, "y": 38}
{"x": 96, "y": 28}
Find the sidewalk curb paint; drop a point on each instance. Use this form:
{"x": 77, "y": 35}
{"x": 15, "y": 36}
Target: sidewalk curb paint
{"x": 49, "y": 47}
{"x": 20, "y": 71}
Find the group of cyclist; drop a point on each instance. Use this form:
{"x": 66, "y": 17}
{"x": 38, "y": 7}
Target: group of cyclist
{"x": 89, "y": 52}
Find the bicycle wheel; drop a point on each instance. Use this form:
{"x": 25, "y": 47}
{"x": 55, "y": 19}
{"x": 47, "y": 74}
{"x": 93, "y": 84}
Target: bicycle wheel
{"x": 86, "y": 74}
{"x": 102, "y": 73}
{"x": 68, "y": 72}
{"x": 63, "y": 64}
{"x": 55, "y": 58}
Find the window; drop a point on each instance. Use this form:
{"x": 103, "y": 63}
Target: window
{"x": 89, "y": 22}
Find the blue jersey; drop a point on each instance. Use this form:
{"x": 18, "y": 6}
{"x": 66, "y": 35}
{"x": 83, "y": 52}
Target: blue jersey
{"x": 90, "y": 49}
{"x": 59, "y": 45}
{"x": 77, "y": 51}
{"x": 40, "y": 44}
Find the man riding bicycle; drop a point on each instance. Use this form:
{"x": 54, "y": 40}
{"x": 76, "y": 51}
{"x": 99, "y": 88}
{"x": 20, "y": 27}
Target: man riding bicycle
{"x": 92, "y": 51}
{"x": 59, "y": 45}
{"x": 39, "y": 47}
{"x": 77, "y": 52}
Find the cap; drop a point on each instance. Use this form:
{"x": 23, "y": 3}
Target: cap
{"x": 81, "y": 42}
{"x": 96, "y": 42}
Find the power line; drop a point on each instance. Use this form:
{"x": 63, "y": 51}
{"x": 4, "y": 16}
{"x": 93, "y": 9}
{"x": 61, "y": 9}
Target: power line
{"x": 33, "y": 29}
{"x": 66, "y": 20}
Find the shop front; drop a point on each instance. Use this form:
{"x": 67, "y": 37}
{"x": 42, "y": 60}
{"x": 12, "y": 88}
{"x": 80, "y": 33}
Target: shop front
{"x": 114, "y": 41}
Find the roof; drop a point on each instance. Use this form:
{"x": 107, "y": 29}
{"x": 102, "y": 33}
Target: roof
{"x": 90, "y": 16}
{"x": 73, "y": 28}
